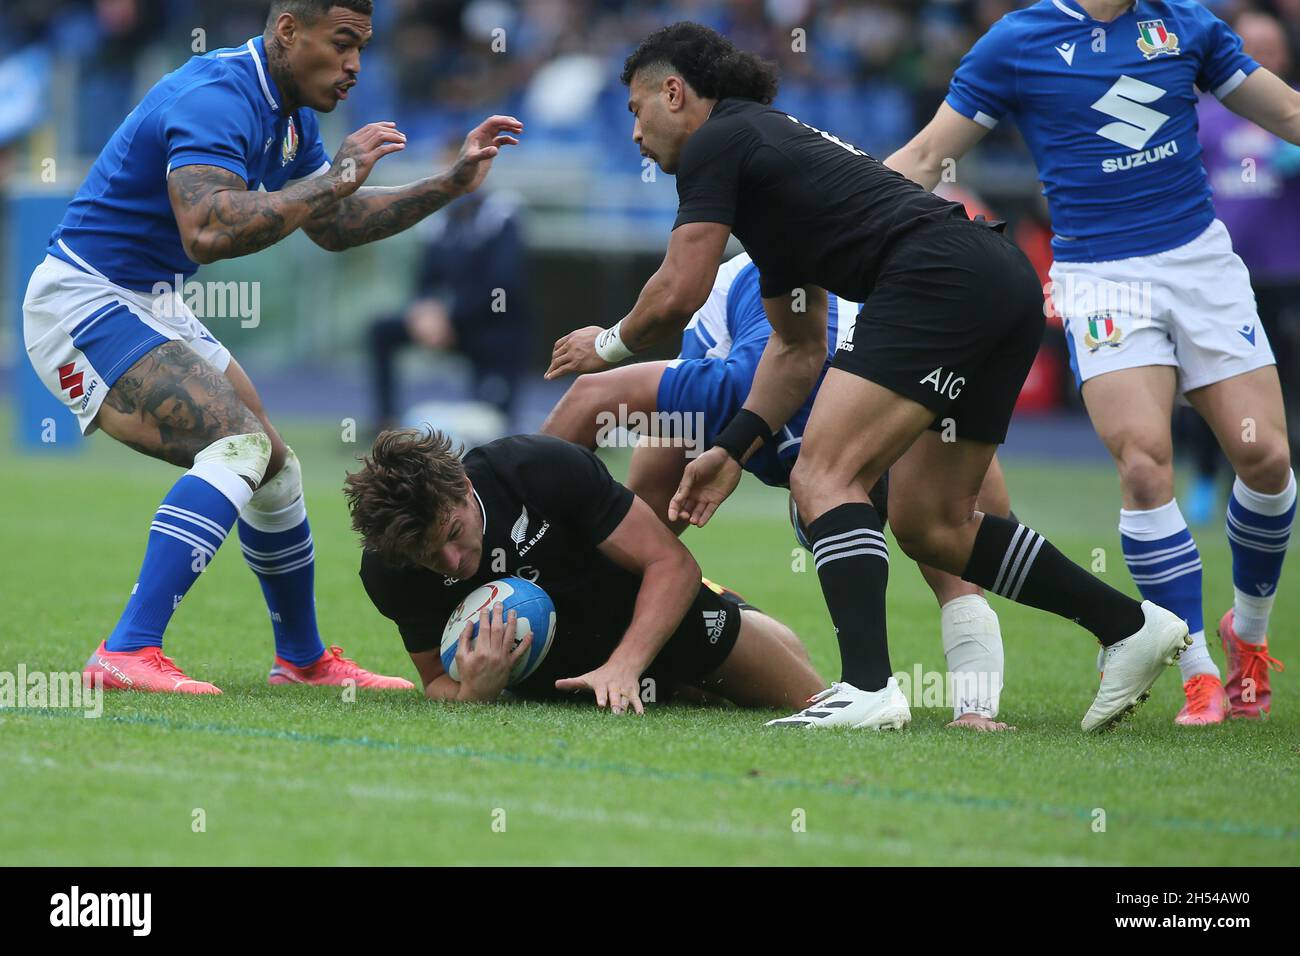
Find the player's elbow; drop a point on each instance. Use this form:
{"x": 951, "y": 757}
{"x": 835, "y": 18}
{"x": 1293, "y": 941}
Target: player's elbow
{"x": 327, "y": 239}
{"x": 802, "y": 357}
{"x": 684, "y": 569}
{"x": 199, "y": 246}
{"x": 918, "y": 161}
{"x": 682, "y": 302}
{"x": 674, "y": 566}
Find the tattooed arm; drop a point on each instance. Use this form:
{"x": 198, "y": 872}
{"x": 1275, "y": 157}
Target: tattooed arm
{"x": 378, "y": 212}
{"x": 220, "y": 218}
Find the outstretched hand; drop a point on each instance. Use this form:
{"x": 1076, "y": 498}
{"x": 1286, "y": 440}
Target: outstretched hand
{"x": 360, "y": 151}
{"x": 707, "y": 482}
{"x": 480, "y": 148}
{"x": 614, "y": 685}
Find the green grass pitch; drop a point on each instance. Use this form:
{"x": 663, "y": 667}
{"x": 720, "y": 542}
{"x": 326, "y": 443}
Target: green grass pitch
{"x": 301, "y": 776}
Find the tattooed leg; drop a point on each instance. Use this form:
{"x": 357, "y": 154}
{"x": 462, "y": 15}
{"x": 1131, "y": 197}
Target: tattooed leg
{"x": 172, "y": 404}
{"x": 247, "y": 394}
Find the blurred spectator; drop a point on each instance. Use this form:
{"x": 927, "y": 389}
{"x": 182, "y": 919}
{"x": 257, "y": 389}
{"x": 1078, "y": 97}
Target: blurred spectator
{"x": 470, "y": 300}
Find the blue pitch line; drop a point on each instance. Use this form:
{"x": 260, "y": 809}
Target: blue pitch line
{"x": 696, "y": 776}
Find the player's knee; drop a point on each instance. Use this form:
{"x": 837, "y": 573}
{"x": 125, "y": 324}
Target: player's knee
{"x": 245, "y": 456}
{"x": 930, "y": 538}
{"x": 277, "y": 495}
{"x": 815, "y": 487}
{"x": 791, "y": 640}
{"x": 580, "y": 404}
{"x": 1265, "y": 466}
{"x": 916, "y": 539}
{"x": 586, "y": 394}
{"x": 279, "y": 457}
{"x": 1146, "y": 475}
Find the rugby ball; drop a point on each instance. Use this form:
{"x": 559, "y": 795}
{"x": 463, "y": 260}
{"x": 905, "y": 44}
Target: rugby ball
{"x": 536, "y": 616}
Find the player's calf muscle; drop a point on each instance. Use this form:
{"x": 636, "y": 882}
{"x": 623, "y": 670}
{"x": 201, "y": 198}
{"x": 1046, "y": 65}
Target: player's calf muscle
{"x": 171, "y": 404}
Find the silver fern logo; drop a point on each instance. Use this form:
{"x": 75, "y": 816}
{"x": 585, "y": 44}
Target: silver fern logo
{"x": 520, "y": 531}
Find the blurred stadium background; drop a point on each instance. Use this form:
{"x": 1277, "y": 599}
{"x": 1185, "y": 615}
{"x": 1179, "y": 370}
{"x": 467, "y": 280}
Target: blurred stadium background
{"x": 589, "y": 225}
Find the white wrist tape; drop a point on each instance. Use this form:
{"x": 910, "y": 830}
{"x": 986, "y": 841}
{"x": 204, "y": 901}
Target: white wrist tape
{"x": 610, "y": 347}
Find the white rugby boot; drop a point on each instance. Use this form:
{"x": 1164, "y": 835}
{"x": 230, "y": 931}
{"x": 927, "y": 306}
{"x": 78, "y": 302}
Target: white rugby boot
{"x": 843, "y": 705}
{"x": 1132, "y": 665}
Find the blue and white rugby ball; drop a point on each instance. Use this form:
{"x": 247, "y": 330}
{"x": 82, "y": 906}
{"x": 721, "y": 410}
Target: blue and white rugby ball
{"x": 536, "y": 616}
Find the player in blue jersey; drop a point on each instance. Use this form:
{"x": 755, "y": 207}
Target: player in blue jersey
{"x": 1155, "y": 302}
{"x": 221, "y": 158}
{"x": 707, "y": 383}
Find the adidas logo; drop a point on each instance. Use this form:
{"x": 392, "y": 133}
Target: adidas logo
{"x": 715, "y": 623}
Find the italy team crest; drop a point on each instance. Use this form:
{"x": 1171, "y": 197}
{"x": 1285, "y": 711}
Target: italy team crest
{"x": 289, "y": 148}
{"x": 1155, "y": 39}
{"x": 1102, "y": 330}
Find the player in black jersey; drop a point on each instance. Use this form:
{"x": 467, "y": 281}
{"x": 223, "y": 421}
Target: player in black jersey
{"x": 951, "y": 321}
{"x": 629, "y": 601}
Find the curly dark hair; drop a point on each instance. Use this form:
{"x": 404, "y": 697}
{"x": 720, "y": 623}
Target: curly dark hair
{"x": 706, "y": 60}
{"x": 309, "y": 11}
{"x": 410, "y": 482}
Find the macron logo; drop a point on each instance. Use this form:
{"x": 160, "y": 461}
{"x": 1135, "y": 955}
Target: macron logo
{"x": 1247, "y": 332}
{"x": 1067, "y": 53}
{"x": 103, "y": 909}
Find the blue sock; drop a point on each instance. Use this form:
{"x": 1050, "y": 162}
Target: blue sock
{"x": 1165, "y": 564}
{"x": 1259, "y": 529}
{"x": 186, "y": 532}
{"x": 280, "y": 552}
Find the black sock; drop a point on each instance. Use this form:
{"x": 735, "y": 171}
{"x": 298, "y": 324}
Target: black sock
{"x": 852, "y": 562}
{"x": 1020, "y": 564}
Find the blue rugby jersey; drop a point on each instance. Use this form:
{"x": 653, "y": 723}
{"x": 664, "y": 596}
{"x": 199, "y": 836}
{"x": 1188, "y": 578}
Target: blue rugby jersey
{"x": 1108, "y": 111}
{"x": 220, "y": 109}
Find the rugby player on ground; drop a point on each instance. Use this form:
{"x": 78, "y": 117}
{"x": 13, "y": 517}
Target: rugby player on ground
{"x": 952, "y": 318}
{"x": 629, "y": 602}
{"x": 222, "y": 158}
{"x": 707, "y": 382}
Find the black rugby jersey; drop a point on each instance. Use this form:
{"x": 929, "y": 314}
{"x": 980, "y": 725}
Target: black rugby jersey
{"x": 807, "y": 207}
{"x": 547, "y": 504}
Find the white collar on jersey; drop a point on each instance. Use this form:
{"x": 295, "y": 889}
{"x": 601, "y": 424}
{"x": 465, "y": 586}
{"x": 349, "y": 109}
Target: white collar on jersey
{"x": 1080, "y": 15}
{"x": 481, "y": 509}
{"x": 261, "y": 75}
{"x": 250, "y": 49}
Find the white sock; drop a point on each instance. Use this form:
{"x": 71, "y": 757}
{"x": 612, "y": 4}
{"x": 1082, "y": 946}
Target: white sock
{"x": 1196, "y": 659}
{"x": 972, "y": 644}
{"x": 1259, "y": 527}
{"x": 1250, "y": 616}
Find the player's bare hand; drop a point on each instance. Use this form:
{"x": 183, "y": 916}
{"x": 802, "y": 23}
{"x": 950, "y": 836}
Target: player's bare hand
{"x": 359, "y": 153}
{"x": 707, "y": 482}
{"x": 980, "y": 724}
{"x": 485, "y": 662}
{"x": 479, "y": 149}
{"x": 614, "y": 685}
{"x": 576, "y": 353}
